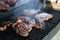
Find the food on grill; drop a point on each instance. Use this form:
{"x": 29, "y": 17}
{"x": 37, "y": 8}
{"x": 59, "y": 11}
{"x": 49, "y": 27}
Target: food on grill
{"x": 10, "y": 2}
{"x": 5, "y": 25}
{"x": 5, "y": 4}
{"x": 24, "y": 34}
{"x": 1, "y": 2}
{"x": 5, "y": 7}
{"x": 23, "y": 26}
{"x": 2, "y": 28}
{"x": 43, "y": 17}
{"x": 27, "y": 20}
{"x": 8, "y": 23}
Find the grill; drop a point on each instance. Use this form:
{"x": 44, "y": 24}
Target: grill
{"x": 35, "y": 34}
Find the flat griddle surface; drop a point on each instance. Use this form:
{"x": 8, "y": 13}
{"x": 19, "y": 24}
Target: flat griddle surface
{"x": 35, "y": 34}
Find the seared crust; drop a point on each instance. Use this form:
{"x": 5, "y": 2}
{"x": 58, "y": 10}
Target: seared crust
{"x": 5, "y": 25}
{"x": 24, "y": 35}
{"x": 21, "y": 29}
{"x": 43, "y": 17}
{"x": 5, "y": 4}
{"x": 23, "y": 26}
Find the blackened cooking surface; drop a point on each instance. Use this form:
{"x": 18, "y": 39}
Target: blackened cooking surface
{"x": 35, "y": 34}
